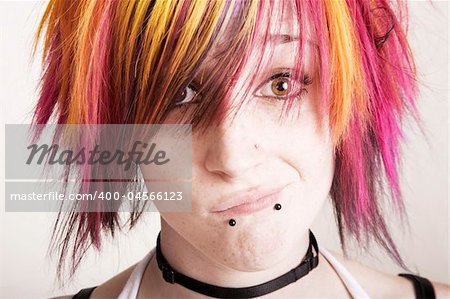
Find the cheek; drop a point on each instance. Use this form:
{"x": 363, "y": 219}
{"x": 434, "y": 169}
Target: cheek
{"x": 317, "y": 169}
{"x": 308, "y": 150}
{"x": 319, "y": 160}
{"x": 308, "y": 146}
{"x": 312, "y": 160}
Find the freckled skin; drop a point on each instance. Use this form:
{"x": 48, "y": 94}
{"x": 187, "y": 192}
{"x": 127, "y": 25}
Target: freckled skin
{"x": 257, "y": 245}
{"x": 299, "y": 151}
{"x": 295, "y": 153}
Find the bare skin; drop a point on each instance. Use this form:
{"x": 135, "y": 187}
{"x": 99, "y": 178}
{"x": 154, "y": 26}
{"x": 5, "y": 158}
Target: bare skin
{"x": 370, "y": 279}
{"x": 297, "y": 154}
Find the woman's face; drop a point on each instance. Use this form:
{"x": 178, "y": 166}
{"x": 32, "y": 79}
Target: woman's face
{"x": 295, "y": 155}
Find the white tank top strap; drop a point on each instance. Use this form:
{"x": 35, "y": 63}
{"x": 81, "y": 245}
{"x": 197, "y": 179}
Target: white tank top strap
{"x": 350, "y": 282}
{"x": 131, "y": 288}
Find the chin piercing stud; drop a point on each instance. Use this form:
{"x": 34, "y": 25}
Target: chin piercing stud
{"x": 277, "y": 206}
{"x": 232, "y": 222}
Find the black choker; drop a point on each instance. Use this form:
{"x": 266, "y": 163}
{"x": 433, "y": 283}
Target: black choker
{"x": 308, "y": 263}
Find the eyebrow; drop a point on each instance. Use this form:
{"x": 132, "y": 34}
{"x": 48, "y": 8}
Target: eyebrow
{"x": 279, "y": 39}
{"x": 283, "y": 38}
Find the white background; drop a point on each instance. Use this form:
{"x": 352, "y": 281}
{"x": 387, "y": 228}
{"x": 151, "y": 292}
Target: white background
{"x": 27, "y": 273}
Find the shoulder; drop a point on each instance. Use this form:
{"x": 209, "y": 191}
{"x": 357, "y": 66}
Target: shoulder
{"x": 110, "y": 288}
{"x": 442, "y": 290}
{"x": 393, "y": 286}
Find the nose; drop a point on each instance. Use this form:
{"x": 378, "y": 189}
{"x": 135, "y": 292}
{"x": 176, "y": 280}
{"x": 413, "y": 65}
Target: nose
{"x": 234, "y": 146}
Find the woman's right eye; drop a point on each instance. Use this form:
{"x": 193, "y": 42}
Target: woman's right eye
{"x": 187, "y": 96}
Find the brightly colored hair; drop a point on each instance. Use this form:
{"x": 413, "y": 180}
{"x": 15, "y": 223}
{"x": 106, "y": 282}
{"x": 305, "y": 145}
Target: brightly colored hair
{"x": 117, "y": 62}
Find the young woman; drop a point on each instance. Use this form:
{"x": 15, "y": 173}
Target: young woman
{"x": 291, "y": 102}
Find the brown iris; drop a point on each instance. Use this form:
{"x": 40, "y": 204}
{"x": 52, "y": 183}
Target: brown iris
{"x": 280, "y": 86}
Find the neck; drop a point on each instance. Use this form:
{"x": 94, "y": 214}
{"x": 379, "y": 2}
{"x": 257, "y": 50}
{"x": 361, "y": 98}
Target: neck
{"x": 199, "y": 265}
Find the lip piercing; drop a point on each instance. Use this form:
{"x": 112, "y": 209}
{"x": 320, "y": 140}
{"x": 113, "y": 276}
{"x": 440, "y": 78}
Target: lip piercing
{"x": 232, "y": 222}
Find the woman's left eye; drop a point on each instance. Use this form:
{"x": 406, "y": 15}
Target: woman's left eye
{"x": 281, "y": 86}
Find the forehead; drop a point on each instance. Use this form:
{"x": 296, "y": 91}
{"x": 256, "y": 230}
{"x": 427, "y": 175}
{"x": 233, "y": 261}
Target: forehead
{"x": 275, "y": 23}
{"x": 282, "y": 18}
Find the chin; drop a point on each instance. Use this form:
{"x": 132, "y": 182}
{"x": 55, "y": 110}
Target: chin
{"x": 255, "y": 249}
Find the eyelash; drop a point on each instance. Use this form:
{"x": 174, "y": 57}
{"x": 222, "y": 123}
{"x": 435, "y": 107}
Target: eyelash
{"x": 306, "y": 80}
{"x": 193, "y": 101}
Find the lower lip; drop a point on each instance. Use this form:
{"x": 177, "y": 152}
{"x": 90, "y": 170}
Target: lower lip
{"x": 252, "y": 207}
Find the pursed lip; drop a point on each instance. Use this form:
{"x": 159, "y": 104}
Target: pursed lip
{"x": 249, "y": 201}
